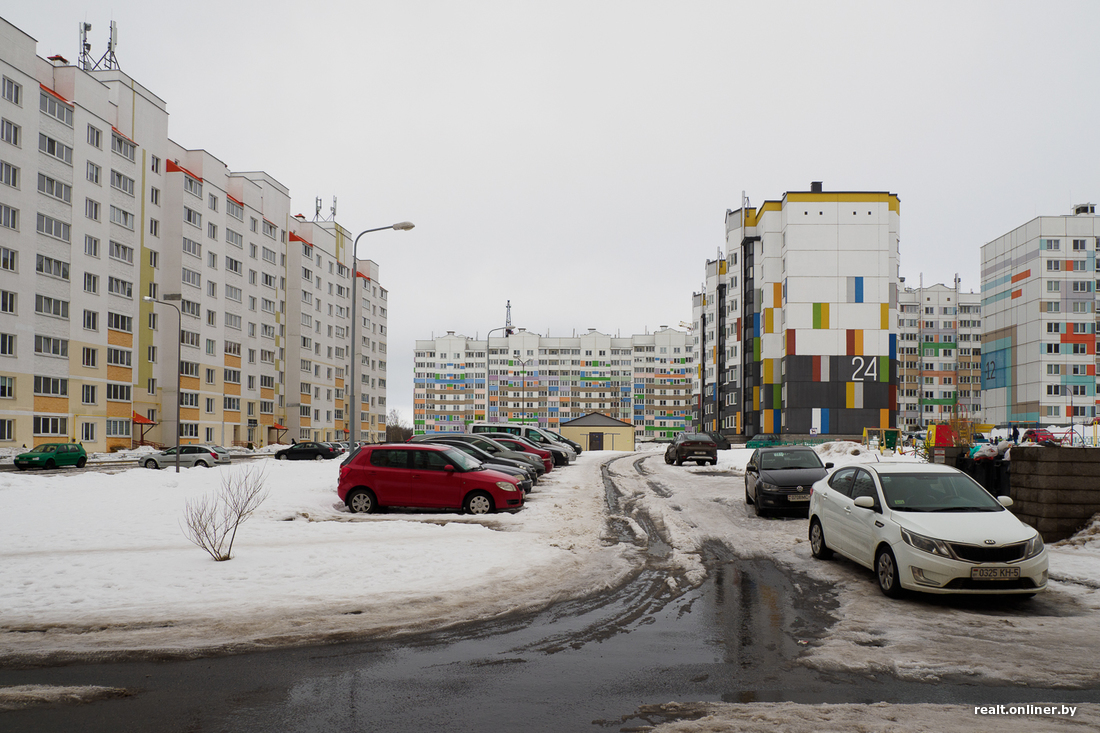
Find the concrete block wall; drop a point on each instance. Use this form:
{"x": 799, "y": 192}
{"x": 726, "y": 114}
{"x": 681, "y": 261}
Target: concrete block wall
{"x": 1055, "y": 490}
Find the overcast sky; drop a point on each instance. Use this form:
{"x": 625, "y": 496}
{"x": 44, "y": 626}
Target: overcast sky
{"x": 578, "y": 158}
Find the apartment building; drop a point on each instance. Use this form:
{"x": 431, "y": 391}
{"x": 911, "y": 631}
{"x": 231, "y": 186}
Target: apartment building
{"x": 1039, "y": 285}
{"x": 939, "y": 355}
{"x": 795, "y": 328}
{"x": 136, "y": 275}
{"x": 526, "y": 377}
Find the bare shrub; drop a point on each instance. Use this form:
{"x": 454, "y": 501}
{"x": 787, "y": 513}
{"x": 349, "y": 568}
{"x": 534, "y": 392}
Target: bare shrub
{"x": 211, "y": 521}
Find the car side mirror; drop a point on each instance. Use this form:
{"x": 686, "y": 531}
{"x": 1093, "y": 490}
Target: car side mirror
{"x": 865, "y": 502}
{"x": 448, "y": 467}
{"x": 1005, "y": 501}
{"x": 828, "y": 466}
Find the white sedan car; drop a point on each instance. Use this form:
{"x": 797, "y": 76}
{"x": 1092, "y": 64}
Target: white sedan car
{"x": 925, "y": 527}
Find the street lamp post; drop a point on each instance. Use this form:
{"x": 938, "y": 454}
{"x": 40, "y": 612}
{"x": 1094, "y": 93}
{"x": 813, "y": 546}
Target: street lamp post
{"x": 502, "y": 328}
{"x": 356, "y": 356}
{"x": 179, "y": 379}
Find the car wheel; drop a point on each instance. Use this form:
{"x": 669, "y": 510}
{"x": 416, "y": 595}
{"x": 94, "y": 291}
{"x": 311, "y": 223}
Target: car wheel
{"x": 80, "y": 463}
{"x": 817, "y": 541}
{"x": 51, "y": 464}
{"x": 151, "y": 463}
{"x": 362, "y": 501}
{"x": 756, "y": 507}
{"x": 280, "y": 457}
{"x": 667, "y": 459}
{"x": 748, "y": 499}
{"x": 202, "y": 464}
{"x": 318, "y": 457}
{"x": 478, "y": 503}
{"x": 679, "y": 461}
{"x": 886, "y": 568}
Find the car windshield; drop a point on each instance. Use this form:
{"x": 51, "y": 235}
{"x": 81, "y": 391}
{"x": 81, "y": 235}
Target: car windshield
{"x": 46, "y": 449}
{"x": 463, "y": 461}
{"x": 936, "y": 492}
{"x": 785, "y": 459}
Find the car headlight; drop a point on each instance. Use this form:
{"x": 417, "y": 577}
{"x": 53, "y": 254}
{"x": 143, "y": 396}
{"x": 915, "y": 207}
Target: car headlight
{"x": 505, "y": 486}
{"x": 927, "y": 544}
{"x": 768, "y": 487}
{"x": 1034, "y": 546}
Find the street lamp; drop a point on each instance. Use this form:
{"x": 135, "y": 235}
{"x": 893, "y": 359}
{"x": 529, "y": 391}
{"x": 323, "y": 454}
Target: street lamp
{"x": 356, "y": 355}
{"x": 179, "y": 339}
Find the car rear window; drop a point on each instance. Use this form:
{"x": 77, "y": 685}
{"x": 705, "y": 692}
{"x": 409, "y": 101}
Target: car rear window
{"x": 389, "y": 458}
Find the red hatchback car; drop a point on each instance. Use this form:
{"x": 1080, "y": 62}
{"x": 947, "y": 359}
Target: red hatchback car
{"x": 424, "y": 476}
{"x": 521, "y": 444}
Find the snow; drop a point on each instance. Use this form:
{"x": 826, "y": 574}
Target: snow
{"x": 98, "y": 564}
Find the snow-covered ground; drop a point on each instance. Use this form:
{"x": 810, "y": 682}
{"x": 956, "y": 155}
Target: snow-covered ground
{"x": 97, "y": 564}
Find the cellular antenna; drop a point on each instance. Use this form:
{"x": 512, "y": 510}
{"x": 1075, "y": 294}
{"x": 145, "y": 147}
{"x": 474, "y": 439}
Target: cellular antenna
{"x": 84, "y": 58}
{"x": 109, "y": 60}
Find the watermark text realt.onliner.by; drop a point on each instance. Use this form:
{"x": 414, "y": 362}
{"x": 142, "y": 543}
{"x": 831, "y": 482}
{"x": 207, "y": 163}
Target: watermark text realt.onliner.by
{"x": 1069, "y": 710}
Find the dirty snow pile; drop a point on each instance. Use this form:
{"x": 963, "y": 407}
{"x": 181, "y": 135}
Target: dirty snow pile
{"x": 95, "y": 562}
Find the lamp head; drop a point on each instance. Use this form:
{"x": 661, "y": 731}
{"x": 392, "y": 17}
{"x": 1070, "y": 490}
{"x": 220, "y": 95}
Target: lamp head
{"x": 404, "y": 225}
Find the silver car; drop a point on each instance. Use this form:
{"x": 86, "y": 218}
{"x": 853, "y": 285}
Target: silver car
{"x": 204, "y": 456}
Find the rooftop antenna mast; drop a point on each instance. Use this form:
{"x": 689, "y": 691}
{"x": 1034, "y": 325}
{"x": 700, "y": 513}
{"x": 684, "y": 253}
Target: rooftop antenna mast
{"x": 84, "y": 58}
{"x": 109, "y": 61}
{"x": 333, "y": 209}
{"x": 508, "y": 317}
{"x": 317, "y": 208}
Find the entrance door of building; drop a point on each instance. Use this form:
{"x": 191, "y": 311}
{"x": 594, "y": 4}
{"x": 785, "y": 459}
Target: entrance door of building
{"x": 595, "y": 441}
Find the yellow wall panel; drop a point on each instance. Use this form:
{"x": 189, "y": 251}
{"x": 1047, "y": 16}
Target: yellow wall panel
{"x": 120, "y": 338}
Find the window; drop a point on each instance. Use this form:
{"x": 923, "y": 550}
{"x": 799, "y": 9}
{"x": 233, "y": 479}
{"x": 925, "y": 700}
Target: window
{"x": 192, "y": 247}
{"x": 234, "y": 265}
{"x": 9, "y": 132}
{"x": 9, "y": 217}
{"x": 233, "y": 404}
{"x": 154, "y": 259}
{"x": 91, "y": 209}
{"x": 91, "y": 283}
{"x": 152, "y": 356}
{"x": 192, "y": 217}
{"x": 91, "y": 321}
{"x": 52, "y": 267}
{"x": 118, "y": 251}
{"x": 232, "y": 293}
{"x": 55, "y": 189}
{"x": 95, "y": 137}
{"x": 270, "y": 229}
{"x": 233, "y": 321}
{"x": 154, "y": 164}
{"x": 122, "y": 183}
{"x": 51, "y": 306}
{"x": 190, "y": 308}
{"x": 7, "y": 344}
{"x": 47, "y": 425}
{"x": 120, "y": 322}
{"x": 211, "y": 289}
{"x": 51, "y": 386}
{"x": 7, "y": 388}
{"x": 234, "y": 209}
{"x": 118, "y": 392}
{"x": 268, "y": 255}
{"x": 211, "y": 376}
{"x": 118, "y": 286}
{"x": 12, "y": 91}
{"x": 7, "y": 302}
{"x": 211, "y": 230}
{"x": 55, "y": 148}
{"x": 192, "y": 278}
{"x": 189, "y": 430}
{"x": 189, "y": 369}
{"x": 52, "y": 106}
{"x": 122, "y": 217}
{"x": 88, "y": 394}
{"x": 123, "y": 147}
{"x": 118, "y": 428}
{"x": 119, "y": 357}
{"x": 154, "y": 196}
{"x": 189, "y": 338}
{"x": 93, "y": 172}
{"x": 9, "y": 174}
{"x": 267, "y": 280}
{"x": 53, "y": 228}
{"x": 233, "y": 376}
{"x": 213, "y": 202}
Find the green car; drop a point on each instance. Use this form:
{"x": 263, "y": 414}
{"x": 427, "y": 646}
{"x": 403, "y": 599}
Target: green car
{"x": 52, "y": 455}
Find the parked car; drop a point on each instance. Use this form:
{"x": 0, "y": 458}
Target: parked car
{"x": 781, "y": 477}
{"x": 1039, "y": 435}
{"x": 563, "y": 453}
{"x": 521, "y": 444}
{"x": 424, "y": 475}
{"x": 340, "y": 449}
{"x": 203, "y": 456}
{"x": 696, "y": 447}
{"x": 487, "y": 458}
{"x": 520, "y": 474}
{"x": 720, "y": 440}
{"x": 763, "y": 439}
{"x": 52, "y": 455}
{"x": 925, "y": 527}
{"x": 488, "y": 445}
{"x": 306, "y": 451}
{"x": 571, "y": 443}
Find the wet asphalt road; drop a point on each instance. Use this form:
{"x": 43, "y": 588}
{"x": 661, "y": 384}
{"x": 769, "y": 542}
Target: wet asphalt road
{"x": 588, "y": 665}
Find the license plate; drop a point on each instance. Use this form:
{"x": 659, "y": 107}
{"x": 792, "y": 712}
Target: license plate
{"x": 798, "y": 497}
{"x": 700, "y": 453}
{"x": 994, "y": 573}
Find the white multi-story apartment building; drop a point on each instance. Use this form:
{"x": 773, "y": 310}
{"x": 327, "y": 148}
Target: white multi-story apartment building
{"x": 1039, "y": 286}
{"x": 99, "y": 210}
{"x": 525, "y": 377}
{"x": 939, "y": 355}
{"x": 795, "y": 328}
